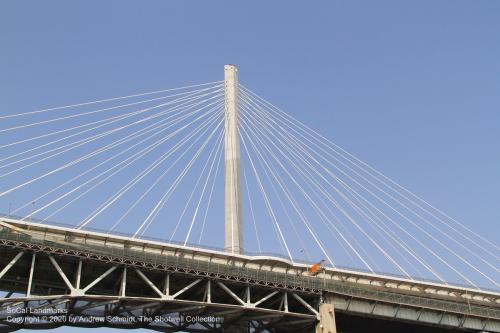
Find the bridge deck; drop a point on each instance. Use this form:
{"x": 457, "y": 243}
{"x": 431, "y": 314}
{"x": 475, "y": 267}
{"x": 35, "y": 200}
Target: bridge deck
{"x": 264, "y": 271}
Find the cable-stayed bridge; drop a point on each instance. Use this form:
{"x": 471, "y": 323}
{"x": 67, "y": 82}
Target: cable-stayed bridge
{"x": 172, "y": 201}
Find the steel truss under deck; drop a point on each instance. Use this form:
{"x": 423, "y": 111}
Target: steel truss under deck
{"x": 97, "y": 285}
{"x": 68, "y": 290}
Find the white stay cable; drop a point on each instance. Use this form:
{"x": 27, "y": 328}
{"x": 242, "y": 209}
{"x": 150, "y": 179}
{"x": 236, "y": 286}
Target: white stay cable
{"x": 161, "y": 203}
{"x": 312, "y": 203}
{"x": 176, "y": 183}
{"x": 357, "y": 195}
{"x": 67, "y": 165}
{"x": 458, "y": 256}
{"x": 215, "y": 151}
{"x": 127, "y": 162}
{"x": 252, "y": 213}
{"x": 284, "y": 116}
{"x": 107, "y": 100}
{"x": 145, "y": 193}
{"x": 298, "y": 147}
{"x": 163, "y": 174}
{"x": 318, "y": 185}
{"x": 185, "y": 94}
{"x": 293, "y": 202}
{"x": 209, "y": 201}
{"x": 138, "y": 178}
{"x": 318, "y": 210}
{"x": 385, "y": 203}
{"x": 434, "y": 239}
{"x": 276, "y": 178}
{"x": 43, "y": 122}
{"x": 120, "y": 141}
{"x": 165, "y": 126}
{"x": 70, "y": 146}
{"x": 101, "y": 123}
{"x": 333, "y": 201}
{"x": 372, "y": 172}
{"x": 266, "y": 200}
{"x": 264, "y": 166}
{"x": 132, "y": 159}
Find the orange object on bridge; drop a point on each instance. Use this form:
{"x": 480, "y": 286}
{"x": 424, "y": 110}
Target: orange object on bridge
{"x": 314, "y": 270}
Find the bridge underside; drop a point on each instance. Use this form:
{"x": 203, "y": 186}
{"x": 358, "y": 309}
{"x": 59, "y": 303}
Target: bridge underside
{"x": 400, "y": 314}
{"x": 348, "y": 322}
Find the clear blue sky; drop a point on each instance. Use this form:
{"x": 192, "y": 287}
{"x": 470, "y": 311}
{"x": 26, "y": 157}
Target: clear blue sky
{"x": 413, "y": 88}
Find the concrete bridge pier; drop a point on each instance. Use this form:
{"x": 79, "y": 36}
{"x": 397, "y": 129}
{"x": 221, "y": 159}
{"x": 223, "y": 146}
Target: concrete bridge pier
{"x": 326, "y": 322}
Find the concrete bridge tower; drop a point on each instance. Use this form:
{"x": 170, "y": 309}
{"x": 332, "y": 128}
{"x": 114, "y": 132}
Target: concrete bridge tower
{"x": 233, "y": 234}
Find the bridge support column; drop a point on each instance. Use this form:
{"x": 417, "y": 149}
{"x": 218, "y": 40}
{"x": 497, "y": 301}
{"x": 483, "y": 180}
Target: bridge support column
{"x": 327, "y": 319}
{"x": 233, "y": 238}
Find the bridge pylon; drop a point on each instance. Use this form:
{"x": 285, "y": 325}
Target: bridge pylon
{"x": 233, "y": 233}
